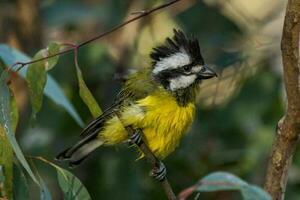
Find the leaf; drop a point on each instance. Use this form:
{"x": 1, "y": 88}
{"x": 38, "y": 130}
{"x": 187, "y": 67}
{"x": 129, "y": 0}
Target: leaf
{"x": 55, "y": 93}
{"x": 71, "y": 186}
{"x": 6, "y": 123}
{"x": 87, "y": 96}
{"x": 254, "y": 192}
{"x": 6, "y": 151}
{"x": 36, "y": 78}
{"x": 52, "y": 89}
{"x": 21, "y": 190}
{"x": 220, "y": 181}
{"x": 53, "y": 48}
{"x": 45, "y": 193}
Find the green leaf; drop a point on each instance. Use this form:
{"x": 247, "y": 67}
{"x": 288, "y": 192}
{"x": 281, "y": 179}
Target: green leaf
{"x": 6, "y": 151}
{"x": 36, "y": 75}
{"x": 252, "y": 192}
{"x": 220, "y": 181}
{"x": 36, "y": 78}
{"x": 45, "y": 193}
{"x": 70, "y": 185}
{"x": 53, "y": 48}
{"x": 56, "y": 94}
{"x": 6, "y": 123}
{"x": 87, "y": 96}
{"x": 52, "y": 90}
{"x": 21, "y": 190}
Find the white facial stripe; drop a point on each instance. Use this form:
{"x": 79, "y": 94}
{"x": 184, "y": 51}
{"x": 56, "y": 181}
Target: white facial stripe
{"x": 182, "y": 82}
{"x": 172, "y": 62}
{"x": 197, "y": 69}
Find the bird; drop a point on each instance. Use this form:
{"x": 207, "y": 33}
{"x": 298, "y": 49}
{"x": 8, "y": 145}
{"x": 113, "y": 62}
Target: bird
{"x": 159, "y": 101}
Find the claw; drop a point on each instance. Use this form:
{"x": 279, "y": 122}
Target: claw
{"x": 160, "y": 172}
{"x": 136, "y": 138}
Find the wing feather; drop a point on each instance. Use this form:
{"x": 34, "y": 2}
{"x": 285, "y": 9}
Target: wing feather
{"x": 137, "y": 86}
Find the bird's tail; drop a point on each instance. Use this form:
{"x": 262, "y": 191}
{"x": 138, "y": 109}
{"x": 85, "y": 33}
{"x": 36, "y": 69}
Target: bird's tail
{"x": 78, "y": 152}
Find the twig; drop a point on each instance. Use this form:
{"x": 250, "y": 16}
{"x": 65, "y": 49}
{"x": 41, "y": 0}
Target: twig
{"x": 140, "y": 15}
{"x": 288, "y": 128}
{"x": 151, "y": 158}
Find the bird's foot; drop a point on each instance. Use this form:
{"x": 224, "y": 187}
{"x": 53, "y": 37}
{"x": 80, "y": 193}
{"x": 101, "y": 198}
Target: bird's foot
{"x": 159, "y": 173}
{"x": 136, "y": 138}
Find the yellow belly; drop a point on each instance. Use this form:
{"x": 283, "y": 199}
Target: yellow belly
{"x": 161, "y": 119}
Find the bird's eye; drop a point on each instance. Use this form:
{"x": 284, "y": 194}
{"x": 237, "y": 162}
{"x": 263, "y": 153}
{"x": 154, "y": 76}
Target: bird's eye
{"x": 187, "y": 68}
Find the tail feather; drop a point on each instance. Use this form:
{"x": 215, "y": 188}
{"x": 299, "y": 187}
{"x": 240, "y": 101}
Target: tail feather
{"x": 77, "y": 153}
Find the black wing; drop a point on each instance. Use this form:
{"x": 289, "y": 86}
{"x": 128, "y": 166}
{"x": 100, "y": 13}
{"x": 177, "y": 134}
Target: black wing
{"x": 95, "y": 126}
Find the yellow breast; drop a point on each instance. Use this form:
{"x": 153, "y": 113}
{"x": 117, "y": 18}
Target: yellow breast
{"x": 161, "y": 119}
{"x": 165, "y": 122}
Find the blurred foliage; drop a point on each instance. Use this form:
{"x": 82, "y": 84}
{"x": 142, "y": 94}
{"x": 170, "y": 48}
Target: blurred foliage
{"x": 223, "y": 181}
{"x": 236, "y": 117}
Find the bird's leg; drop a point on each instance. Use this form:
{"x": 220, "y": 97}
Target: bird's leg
{"x": 136, "y": 137}
{"x": 159, "y": 172}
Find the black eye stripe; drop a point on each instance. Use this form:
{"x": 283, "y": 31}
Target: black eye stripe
{"x": 173, "y": 73}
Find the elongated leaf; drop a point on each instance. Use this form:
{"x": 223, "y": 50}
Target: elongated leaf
{"x": 87, "y": 96}
{"x": 36, "y": 78}
{"x": 21, "y": 190}
{"x": 71, "y": 186}
{"x": 6, "y": 123}
{"x": 45, "y": 193}
{"x": 6, "y": 151}
{"x": 220, "y": 181}
{"x": 52, "y": 90}
{"x": 6, "y": 161}
{"x": 55, "y": 93}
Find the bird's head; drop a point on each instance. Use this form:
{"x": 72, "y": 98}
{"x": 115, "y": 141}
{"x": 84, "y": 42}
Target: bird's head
{"x": 178, "y": 63}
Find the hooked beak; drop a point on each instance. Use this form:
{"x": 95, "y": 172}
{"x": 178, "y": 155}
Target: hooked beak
{"x": 206, "y": 73}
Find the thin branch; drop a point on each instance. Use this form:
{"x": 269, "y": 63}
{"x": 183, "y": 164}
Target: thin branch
{"x": 151, "y": 158}
{"x": 140, "y": 15}
{"x": 288, "y": 128}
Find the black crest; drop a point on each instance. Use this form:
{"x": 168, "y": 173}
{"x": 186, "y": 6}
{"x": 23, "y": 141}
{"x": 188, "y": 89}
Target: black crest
{"x": 178, "y": 43}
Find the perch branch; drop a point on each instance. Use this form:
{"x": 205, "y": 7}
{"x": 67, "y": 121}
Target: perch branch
{"x": 288, "y": 127}
{"x": 151, "y": 158}
{"x": 140, "y": 15}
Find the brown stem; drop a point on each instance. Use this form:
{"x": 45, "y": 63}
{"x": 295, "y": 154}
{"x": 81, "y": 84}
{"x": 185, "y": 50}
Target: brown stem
{"x": 288, "y": 128}
{"x": 151, "y": 158}
{"x": 142, "y": 14}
